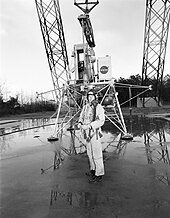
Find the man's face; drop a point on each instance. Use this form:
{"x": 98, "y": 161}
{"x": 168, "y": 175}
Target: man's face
{"x": 91, "y": 97}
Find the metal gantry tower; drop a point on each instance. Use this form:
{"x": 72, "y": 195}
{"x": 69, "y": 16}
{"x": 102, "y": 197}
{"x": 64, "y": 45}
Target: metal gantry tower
{"x": 157, "y": 21}
{"x": 53, "y": 36}
{"x": 71, "y": 86}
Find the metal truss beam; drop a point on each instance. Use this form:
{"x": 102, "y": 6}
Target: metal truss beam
{"x": 86, "y": 5}
{"x": 155, "y": 43}
{"x": 72, "y": 108}
{"x": 53, "y": 36}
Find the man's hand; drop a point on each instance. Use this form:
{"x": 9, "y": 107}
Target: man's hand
{"x": 79, "y": 124}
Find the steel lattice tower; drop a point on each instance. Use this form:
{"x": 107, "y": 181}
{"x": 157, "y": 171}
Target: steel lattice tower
{"x": 54, "y": 41}
{"x": 157, "y": 21}
{"x": 71, "y": 93}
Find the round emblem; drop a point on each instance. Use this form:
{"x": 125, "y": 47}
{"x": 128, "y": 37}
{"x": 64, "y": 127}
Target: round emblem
{"x": 104, "y": 69}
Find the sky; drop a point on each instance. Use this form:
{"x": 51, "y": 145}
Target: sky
{"x": 118, "y": 27}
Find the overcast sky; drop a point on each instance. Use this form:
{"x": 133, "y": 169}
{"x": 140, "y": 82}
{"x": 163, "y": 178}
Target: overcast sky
{"x": 118, "y": 27}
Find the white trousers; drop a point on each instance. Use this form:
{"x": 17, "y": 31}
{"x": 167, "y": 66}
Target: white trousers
{"x": 95, "y": 154}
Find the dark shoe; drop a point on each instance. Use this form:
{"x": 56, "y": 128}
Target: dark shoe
{"x": 91, "y": 173}
{"x": 94, "y": 179}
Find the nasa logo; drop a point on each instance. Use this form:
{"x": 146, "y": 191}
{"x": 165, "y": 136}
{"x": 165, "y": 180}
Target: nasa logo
{"x": 104, "y": 69}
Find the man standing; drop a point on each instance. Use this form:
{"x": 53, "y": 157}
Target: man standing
{"x": 90, "y": 121}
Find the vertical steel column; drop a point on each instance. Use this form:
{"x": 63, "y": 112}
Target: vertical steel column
{"x": 53, "y": 36}
{"x": 155, "y": 42}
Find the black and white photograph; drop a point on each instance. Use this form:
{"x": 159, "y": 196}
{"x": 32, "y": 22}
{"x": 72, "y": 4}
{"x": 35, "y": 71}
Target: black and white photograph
{"x": 85, "y": 108}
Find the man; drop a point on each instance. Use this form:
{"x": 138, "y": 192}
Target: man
{"x": 90, "y": 121}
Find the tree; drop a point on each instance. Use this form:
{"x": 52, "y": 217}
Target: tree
{"x": 166, "y": 89}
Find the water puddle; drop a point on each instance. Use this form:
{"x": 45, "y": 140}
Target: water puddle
{"x": 150, "y": 145}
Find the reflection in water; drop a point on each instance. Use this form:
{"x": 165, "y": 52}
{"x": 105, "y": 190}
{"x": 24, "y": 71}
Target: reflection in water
{"x": 156, "y": 135}
{"x": 152, "y": 134}
{"x": 158, "y": 154}
{"x": 117, "y": 146}
{"x": 65, "y": 146}
{"x": 14, "y": 137}
{"x": 157, "y": 150}
{"x": 58, "y": 157}
{"x": 24, "y": 125}
{"x": 74, "y": 199}
{"x": 121, "y": 147}
{"x": 71, "y": 143}
{"x": 156, "y": 147}
{"x": 165, "y": 178}
{"x": 4, "y": 145}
